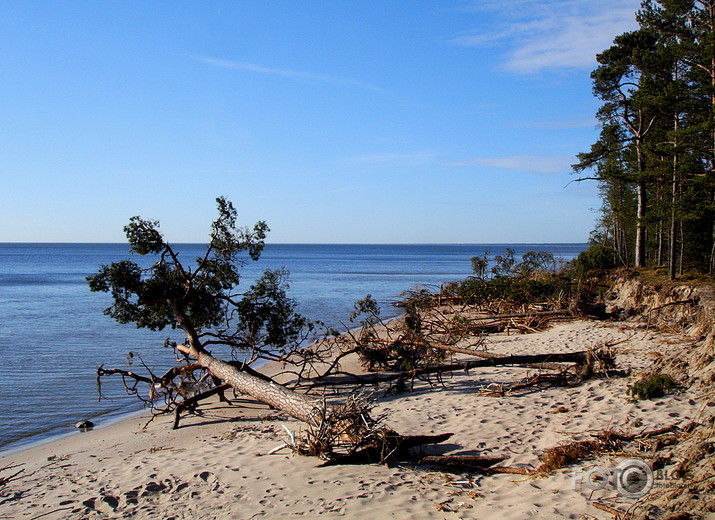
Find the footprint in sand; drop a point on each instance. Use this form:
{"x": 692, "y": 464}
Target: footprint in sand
{"x": 131, "y": 497}
{"x": 111, "y": 501}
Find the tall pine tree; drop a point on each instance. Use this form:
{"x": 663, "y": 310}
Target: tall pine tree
{"x": 657, "y": 142}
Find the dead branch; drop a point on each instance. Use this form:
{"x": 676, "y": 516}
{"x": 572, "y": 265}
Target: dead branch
{"x": 491, "y": 355}
{"x": 5, "y": 480}
{"x": 509, "y": 470}
{"x": 191, "y": 402}
{"x": 580, "y": 358}
{"x": 608, "y": 509}
{"x": 606, "y": 441}
{"x": 462, "y": 462}
{"x": 566, "y": 454}
{"x": 565, "y": 377}
{"x": 669, "y": 304}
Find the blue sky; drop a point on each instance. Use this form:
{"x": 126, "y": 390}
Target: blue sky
{"x": 335, "y": 121}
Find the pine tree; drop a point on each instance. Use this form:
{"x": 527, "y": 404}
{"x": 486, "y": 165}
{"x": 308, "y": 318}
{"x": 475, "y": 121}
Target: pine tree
{"x": 657, "y": 142}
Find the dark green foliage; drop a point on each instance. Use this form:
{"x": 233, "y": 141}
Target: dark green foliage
{"x": 656, "y": 385}
{"x": 413, "y": 319}
{"x": 143, "y": 236}
{"x": 265, "y": 316}
{"x": 407, "y": 352}
{"x": 594, "y": 258}
{"x": 366, "y": 312}
{"x": 531, "y": 280}
{"x": 151, "y": 298}
{"x": 480, "y": 264}
{"x": 537, "y": 261}
{"x": 655, "y": 157}
{"x": 504, "y": 265}
{"x": 200, "y": 299}
{"x": 513, "y": 289}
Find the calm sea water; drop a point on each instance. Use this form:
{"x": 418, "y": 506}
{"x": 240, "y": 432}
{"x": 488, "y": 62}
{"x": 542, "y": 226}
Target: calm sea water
{"x": 53, "y": 334}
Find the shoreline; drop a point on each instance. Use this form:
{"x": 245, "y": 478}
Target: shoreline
{"x": 114, "y": 417}
{"x": 212, "y": 467}
{"x": 326, "y": 281}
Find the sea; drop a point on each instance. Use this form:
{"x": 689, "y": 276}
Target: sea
{"x": 54, "y": 335}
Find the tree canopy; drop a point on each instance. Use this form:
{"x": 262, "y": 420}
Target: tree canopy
{"x": 655, "y": 156}
{"x": 200, "y": 298}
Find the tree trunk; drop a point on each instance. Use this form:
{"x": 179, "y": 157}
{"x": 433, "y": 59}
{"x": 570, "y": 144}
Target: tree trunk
{"x": 582, "y": 357}
{"x": 682, "y": 250}
{"x": 296, "y": 405}
{"x": 659, "y": 258}
{"x": 673, "y": 230}
{"x": 641, "y": 225}
{"x": 673, "y": 202}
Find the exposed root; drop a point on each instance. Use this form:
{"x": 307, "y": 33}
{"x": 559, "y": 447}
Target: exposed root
{"x": 348, "y": 427}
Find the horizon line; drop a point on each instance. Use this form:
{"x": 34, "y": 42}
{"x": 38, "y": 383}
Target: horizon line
{"x": 313, "y": 243}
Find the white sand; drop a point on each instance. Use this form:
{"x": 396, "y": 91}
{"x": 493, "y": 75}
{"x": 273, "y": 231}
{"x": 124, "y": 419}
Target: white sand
{"x": 212, "y": 466}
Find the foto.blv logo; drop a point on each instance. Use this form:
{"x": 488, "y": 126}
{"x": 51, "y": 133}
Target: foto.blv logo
{"x": 632, "y": 478}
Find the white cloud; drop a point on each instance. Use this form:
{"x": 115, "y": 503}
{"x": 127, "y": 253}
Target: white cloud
{"x": 286, "y": 73}
{"x": 523, "y": 163}
{"x": 552, "y": 34}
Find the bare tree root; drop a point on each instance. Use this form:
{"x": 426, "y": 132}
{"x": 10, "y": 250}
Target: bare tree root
{"x": 348, "y": 434}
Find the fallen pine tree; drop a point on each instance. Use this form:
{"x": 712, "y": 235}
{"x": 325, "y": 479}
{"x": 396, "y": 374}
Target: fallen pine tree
{"x": 261, "y": 323}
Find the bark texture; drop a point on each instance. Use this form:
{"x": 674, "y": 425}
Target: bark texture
{"x": 293, "y": 403}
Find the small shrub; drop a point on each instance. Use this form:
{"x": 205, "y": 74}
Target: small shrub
{"x": 594, "y": 258}
{"x": 480, "y": 264}
{"x": 649, "y": 387}
{"x": 513, "y": 289}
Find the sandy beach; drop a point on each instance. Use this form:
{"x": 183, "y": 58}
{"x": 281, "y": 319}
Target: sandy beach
{"x": 216, "y": 465}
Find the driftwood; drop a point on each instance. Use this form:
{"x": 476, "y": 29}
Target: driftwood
{"x": 348, "y": 427}
{"x": 580, "y": 358}
{"x": 462, "y": 462}
{"x": 563, "y": 378}
{"x": 528, "y": 322}
{"x": 368, "y": 439}
{"x": 394, "y": 447}
{"x": 473, "y": 352}
{"x": 438, "y": 346}
{"x": 6, "y": 479}
{"x": 564, "y": 312}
